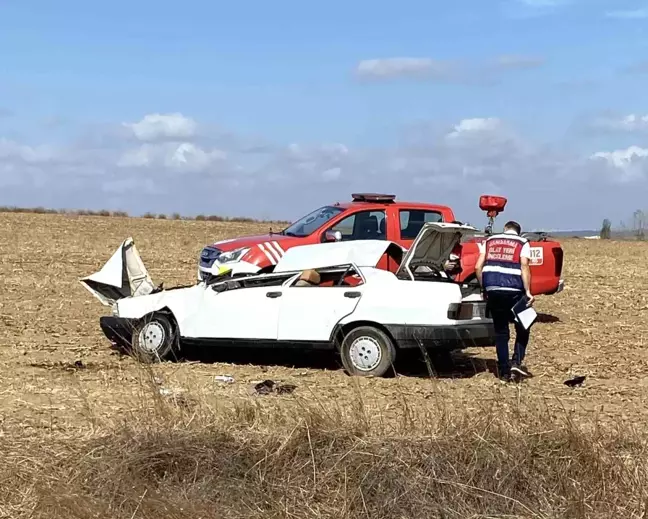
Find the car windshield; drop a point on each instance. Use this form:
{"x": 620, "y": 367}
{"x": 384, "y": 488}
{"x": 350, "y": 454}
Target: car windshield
{"x": 311, "y": 222}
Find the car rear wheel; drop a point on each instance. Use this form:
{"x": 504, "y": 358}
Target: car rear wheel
{"x": 367, "y": 352}
{"x": 154, "y": 339}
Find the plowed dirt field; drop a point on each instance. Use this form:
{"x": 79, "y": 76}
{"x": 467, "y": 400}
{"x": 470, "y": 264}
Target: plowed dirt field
{"x": 57, "y": 371}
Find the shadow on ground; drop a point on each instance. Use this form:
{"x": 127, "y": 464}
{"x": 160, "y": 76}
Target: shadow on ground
{"x": 547, "y": 319}
{"x": 457, "y": 364}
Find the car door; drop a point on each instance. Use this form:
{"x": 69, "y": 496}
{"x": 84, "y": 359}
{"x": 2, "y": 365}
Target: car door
{"x": 309, "y": 313}
{"x": 248, "y": 313}
{"x": 360, "y": 225}
{"x": 411, "y": 221}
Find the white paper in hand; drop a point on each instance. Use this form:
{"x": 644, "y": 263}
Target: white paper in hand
{"x": 524, "y": 314}
{"x": 527, "y": 317}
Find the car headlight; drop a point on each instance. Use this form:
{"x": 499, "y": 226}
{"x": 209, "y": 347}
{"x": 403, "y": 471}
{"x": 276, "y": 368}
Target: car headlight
{"x": 233, "y": 255}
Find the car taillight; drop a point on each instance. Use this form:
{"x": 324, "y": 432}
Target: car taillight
{"x": 558, "y": 261}
{"x": 466, "y": 311}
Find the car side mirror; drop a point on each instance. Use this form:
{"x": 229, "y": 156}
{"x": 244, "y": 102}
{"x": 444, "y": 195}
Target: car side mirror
{"x": 330, "y": 236}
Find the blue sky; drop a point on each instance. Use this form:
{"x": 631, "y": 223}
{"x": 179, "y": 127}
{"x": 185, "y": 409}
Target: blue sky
{"x": 268, "y": 109}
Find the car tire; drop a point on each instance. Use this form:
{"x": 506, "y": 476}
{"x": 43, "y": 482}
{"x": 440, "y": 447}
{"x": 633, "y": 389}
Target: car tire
{"x": 367, "y": 352}
{"x": 154, "y": 339}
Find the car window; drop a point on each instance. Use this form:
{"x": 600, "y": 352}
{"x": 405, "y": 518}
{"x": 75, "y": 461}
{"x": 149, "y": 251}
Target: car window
{"x": 412, "y": 220}
{"x": 364, "y": 225}
{"x": 328, "y": 277}
{"x": 251, "y": 282}
{"x": 311, "y": 222}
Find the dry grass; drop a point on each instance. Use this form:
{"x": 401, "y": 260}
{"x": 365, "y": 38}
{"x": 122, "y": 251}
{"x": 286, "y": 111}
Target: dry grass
{"x": 186, "y": 461}
{"x": 87, "y": 433}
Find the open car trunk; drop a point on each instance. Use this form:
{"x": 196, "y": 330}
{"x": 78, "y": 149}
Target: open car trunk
{"x": 432, "y": 247}
{"x": 123, "y": 275}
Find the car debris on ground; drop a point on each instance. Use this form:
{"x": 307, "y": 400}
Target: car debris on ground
{"x": 266, "y": 387}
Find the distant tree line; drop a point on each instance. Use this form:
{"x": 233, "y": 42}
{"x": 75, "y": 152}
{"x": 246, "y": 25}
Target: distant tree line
{"x": 124, "y": 214}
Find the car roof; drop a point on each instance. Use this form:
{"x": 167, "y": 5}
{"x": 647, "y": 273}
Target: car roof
{"x": 362, "y": 253}
{"x": 397, "y": 204}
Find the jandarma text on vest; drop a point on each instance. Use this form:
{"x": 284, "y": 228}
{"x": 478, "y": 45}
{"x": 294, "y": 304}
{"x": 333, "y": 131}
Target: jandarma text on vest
{"x": 503, "y": 250}
{"x": 502, "y": 268}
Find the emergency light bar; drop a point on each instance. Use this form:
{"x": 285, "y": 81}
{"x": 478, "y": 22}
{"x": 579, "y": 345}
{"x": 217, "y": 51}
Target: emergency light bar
{"x": 372, "y": 197}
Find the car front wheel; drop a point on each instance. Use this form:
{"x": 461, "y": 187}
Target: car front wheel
{"x": 367, "y": 352}
{"x": 154, "y": 339}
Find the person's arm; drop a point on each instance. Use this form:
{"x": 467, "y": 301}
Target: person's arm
{"x": 480, "y": 265}
{"x": 526, "y": 271}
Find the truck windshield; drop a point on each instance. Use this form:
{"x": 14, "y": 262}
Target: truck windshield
{"x": 311, "y": 222}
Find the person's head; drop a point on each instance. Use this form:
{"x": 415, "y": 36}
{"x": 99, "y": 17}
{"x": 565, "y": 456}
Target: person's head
{"x": 513, "y": 226}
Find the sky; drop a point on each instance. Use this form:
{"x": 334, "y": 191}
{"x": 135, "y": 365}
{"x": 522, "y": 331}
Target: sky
{"x": 271, "y": 109}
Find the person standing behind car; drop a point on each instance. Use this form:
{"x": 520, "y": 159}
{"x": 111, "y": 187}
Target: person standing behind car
{"x": 503, "y": 272}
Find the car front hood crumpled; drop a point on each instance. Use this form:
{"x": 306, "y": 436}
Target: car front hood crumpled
{"x": 123, "y": 275}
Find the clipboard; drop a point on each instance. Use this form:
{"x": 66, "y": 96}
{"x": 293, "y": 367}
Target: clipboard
{"x": 523, "y": 314}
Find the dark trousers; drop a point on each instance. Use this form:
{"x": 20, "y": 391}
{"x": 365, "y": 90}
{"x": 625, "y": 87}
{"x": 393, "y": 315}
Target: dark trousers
{"x": 500, "y": 303}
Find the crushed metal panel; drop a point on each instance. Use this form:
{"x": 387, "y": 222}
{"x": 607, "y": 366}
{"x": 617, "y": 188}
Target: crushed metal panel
{"x": 123, "y": 275}
{"x": 136, "y": 274}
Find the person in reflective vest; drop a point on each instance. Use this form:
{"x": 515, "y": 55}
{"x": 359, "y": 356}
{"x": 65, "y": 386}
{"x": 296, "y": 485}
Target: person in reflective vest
{"x": 504, "y": 274}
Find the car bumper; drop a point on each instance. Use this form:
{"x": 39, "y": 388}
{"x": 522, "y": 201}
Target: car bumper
{"x": 561, "y": 286}
{"x": 117, "y": 329}
{"x": 457, "y": 336}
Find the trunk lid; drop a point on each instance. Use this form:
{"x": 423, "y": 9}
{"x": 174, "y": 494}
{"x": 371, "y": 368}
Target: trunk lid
{"x": 433, "y": 245}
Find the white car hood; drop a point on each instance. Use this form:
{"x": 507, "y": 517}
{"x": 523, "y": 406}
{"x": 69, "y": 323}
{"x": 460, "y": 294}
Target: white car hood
{"x": 123, "y": 275}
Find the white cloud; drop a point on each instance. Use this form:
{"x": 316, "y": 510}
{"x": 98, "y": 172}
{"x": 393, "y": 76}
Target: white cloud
{"x": 628, "y": 123}
{"x": 625, "y": 166}
{"x": 332, "y": 174}
{"x": 140, "y": 157}
{"x": 453, "y": 165}
{"x": 440, "y": 70}
{"x": 623, "y": 158}
{"x": 190, "y": 156}
{"x": 475, "y": 125}
{"x": 31, "y": 154}
{"x": 398, "y": 67}
{"x": 184, "y": 156}
{"x": 153, "y": 127}
{"x": 132, "y": 184}
{"x": 631, "y": 14}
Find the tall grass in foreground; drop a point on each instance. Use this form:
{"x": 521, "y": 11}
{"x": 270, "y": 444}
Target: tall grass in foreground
{"x": 182, "y": 458}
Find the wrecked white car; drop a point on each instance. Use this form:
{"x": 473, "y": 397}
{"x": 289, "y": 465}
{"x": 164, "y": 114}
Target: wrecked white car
{"x": 329, "y": 295}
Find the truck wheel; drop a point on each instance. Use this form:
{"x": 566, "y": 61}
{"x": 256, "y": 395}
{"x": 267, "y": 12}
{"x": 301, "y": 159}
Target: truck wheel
{"x": 367, "y": 352}
{"x": 154, "y": 339}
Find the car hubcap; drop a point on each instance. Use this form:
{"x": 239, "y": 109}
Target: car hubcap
{"x": 365, "y": 353}
{"x": 152, "y": 337}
